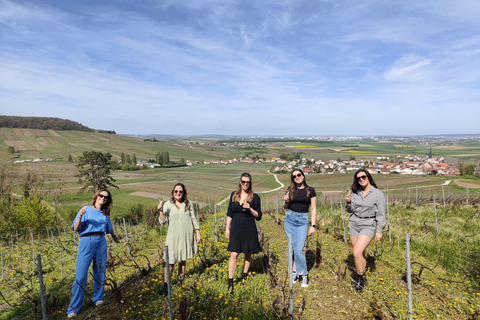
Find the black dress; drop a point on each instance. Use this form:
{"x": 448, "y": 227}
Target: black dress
{"x": 243, "y": 230}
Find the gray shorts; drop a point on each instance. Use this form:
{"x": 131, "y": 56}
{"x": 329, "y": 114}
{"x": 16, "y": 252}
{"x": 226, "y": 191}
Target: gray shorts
{"x": 357, "y": 226}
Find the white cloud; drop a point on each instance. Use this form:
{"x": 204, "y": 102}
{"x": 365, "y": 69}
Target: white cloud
{"x": 408, "y": 68}
{"x": 209, "y": 61}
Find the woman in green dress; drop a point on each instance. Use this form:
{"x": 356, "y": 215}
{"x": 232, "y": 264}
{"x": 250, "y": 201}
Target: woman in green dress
{"x": 183, "y": 231}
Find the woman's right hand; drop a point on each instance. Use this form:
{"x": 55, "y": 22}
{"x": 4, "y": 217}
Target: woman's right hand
{"x": 160, "y": 205}
{"x": 82, "y": 212}
{"x": 348, "y": 199}
{"x": 286, "y": 198}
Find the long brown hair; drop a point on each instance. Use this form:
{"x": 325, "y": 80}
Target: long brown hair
{"x": 184, "y": 196}
{"x": 293, "y": 185}
{"x": 106, "y": 205}
{"x": 356, "y": 187}
{"x": 237, "y": 196}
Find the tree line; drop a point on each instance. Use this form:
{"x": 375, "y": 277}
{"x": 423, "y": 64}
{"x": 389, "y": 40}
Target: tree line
{"x": 45, "y": 123}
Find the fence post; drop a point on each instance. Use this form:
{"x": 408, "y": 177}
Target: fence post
{"x": 61, "y": 262}
{"x": 276, "y": 208}
{"x": 409, "y": 277}
{"x": 2, "y": 264}
{"x": 466, "y": 191}
{"x": 416, "y": 197}
{"x": 42, "y": 287}
{"x": 290, "y": 272}
{"x": 215, "y": 210}
{"x": 435, "y": 208}
{"x": 169, "y": 283}
{"x": 33, "y": 252}
{"x": 126, "y": 235}
{"x": 443, "y": 196}
{"x": 388, "y": 219}
{"x": 343, "y": 223}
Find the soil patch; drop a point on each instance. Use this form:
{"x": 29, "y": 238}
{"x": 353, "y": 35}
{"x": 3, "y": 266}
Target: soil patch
{"x": 469, "y": 183}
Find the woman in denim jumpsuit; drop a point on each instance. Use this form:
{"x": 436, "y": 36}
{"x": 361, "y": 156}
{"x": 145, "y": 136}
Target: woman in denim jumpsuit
{"x": 92, "y": 223}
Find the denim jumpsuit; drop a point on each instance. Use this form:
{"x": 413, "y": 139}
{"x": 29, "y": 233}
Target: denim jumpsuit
{"x": 90, "y": 248}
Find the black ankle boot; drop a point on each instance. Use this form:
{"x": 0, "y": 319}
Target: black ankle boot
{"x": 164, "y": 292}
{"x": 360, "y": 283}
{"x": 230, "y": 285}
{"x": 243, "y": 277}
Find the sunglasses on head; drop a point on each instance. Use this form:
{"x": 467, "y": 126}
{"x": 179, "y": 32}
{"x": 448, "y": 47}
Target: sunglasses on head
{"x": 102, "y": 196}
{"x": 361, "y": 177}
{"x": 245, "y": 182}
{"x": 298, "y": 175}
{"x": 178, "y": 191}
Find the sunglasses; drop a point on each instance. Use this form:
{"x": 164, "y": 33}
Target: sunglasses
{"x": 102, "y": 196}
{"x": 298, "y": 175}
{"x": 178, "y": 191}
{"x": 361, "y": 177}
{"x": 245, "y": 182}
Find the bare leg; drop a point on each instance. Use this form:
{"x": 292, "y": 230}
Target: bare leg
{"x": 165, "y": 273}
{"x": 360, "y": 243}
{"x": 247, "y": 262}
{"x": 181, "y": 269}
{"x": 232, "y": 264}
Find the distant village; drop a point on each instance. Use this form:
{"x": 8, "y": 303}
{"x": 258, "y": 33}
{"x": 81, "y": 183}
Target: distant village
{"x": 412, "y": 165}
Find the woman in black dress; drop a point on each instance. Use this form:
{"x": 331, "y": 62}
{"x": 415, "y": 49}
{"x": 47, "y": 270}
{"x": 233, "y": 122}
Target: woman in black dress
{"x": 241, "y": 230}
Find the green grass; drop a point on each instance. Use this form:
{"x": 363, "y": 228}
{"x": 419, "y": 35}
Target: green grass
{"x": 451, "y": 289}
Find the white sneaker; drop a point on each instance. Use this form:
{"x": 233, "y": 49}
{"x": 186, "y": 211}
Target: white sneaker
{"x": 98, "y": 302}
{"x": 71, "y": 315}
{"x": 305, "y": 281}
{"x": 295, "y": 277}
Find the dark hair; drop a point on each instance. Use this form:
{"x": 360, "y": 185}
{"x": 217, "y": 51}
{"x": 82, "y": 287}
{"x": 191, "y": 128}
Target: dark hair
{"x": 236, "y": 196}
{"x": 184, "y": 196}
{"x": 106, "y": 205}
{"x": 356, "y": 187}
{"x": 293, "y": 185}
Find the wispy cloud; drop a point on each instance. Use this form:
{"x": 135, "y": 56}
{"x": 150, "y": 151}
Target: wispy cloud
{"x": 242, "y": 67}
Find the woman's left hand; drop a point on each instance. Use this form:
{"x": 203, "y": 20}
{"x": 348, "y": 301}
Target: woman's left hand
{"x": 311, "y": 231}
{"x": 198, "y": 237}
{"x": 378, "y": 236}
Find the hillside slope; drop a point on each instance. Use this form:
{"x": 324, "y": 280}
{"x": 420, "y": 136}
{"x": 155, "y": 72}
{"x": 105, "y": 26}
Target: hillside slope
{"x": 33, "y": 143}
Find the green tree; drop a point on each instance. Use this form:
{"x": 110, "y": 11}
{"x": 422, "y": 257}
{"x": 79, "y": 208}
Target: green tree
{"x": 70, "y": 158}
{"x": 8, "y": 179}
{"x": 134, "y": 161}
{"x": 468, "y": 170}
{"x": 127, "y": 159}
{"x": 10, "y": 149}
{"x": 30, "y": 213}
{"x": 94, "y": 170}
{"x": 122, "y": 158}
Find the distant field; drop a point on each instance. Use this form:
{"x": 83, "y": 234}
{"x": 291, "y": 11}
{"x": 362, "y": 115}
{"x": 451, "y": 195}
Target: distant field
{"x": 59, "y": 144}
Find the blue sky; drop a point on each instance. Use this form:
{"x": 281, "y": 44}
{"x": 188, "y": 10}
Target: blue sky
{"x": 245, "y": 67}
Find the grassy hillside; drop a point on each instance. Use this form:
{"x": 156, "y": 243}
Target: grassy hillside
{"x": 450, "y": 290}
{"x": 59, "y": 144}
{"x": 33, "y": 143}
